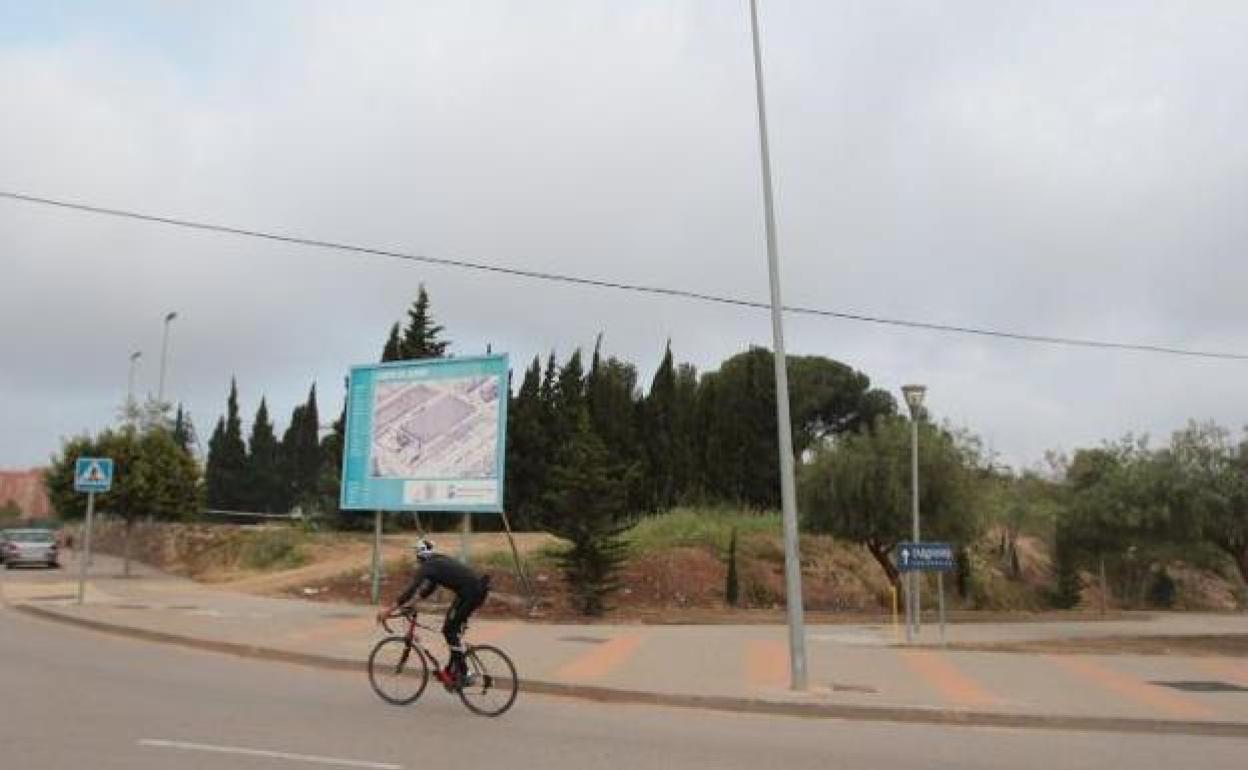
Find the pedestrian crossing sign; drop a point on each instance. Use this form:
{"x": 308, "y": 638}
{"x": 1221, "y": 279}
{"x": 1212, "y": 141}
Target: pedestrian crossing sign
{"x": 93, "y": 474}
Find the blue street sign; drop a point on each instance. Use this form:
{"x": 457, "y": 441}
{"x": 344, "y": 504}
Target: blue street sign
{"x": 925, "y": 557}
{"x": 93, "y": 474}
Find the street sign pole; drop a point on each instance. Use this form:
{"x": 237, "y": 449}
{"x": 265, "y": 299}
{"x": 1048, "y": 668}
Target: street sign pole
{"x": 85, "y": 555}
{"x": 940, "y": 592}
{"x": 914, "y": 502}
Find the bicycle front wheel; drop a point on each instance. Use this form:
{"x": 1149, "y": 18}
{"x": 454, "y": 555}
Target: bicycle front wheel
{"x": 491, "y": 684}
{"x": 397, "y": 670}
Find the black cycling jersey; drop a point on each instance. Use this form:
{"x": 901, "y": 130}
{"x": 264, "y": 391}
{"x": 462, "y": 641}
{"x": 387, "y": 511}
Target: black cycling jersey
{"x": 440, "y": 571}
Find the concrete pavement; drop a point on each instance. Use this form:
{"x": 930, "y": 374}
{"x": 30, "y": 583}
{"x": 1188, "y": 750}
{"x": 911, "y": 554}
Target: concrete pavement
{"x": 76, "y": 699}
{"x": 854, "y": 669}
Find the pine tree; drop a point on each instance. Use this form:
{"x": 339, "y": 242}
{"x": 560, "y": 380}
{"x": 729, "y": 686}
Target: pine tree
{"x": 262, "y": 488}
{"x": 393, "y": 351}
{"x": 421, "y": 337}
{"x": 587, "y": 507}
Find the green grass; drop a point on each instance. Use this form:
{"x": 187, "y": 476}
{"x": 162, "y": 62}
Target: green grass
{"x": 700, "y": 527}
{"x": 502, "y": 560}
{"x": 274, "y": 549}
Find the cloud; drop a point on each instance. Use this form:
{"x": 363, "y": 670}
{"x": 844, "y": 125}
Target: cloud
{"x": 1070, "y": 171}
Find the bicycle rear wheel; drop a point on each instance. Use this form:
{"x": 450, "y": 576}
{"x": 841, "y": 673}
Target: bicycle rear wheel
{"x": 491, "y": 684}
{"x": 398, "y": 671}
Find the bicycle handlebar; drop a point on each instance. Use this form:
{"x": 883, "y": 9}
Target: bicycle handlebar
{"x": 402, "y": 612}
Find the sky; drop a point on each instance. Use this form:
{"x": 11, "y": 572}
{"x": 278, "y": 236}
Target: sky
{"x": 1076, "y": 169}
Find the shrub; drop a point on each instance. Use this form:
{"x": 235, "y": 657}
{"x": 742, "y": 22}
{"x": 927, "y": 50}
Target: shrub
{"x": 274, "y": 549}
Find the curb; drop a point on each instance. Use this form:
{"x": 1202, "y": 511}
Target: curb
{"x": 898, "y": 714}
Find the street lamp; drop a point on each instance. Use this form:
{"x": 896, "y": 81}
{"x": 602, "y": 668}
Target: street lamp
{"x": 164, "y": 353}
{"x": 914, "y": 399}
{"x": 788, "y": 491}
{"x": 130, "y": 405}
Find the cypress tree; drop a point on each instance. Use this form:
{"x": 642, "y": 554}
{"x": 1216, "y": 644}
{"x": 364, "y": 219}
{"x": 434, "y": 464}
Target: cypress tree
{"x": 288, "y": 458}
{"x": 611, "y": 398}
{"x": 184, "y": 431}
{"x": 227, "y": 458}
{"x": 527, "y": 451}
{"x": 214, "y": 481}
{"x": 262, "y": 488}
{"x": 393, "y": 351}
{"x": 309, "y": 448}
{"x": 685, "y": 465}
{"x": 732, "y": 589}
{"x": 300, "y": 455}
{"x": 421, "y": 337}
{"x": 658, "y": 418}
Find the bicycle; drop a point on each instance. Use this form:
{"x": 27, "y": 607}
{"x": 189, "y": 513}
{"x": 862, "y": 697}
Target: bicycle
{"x": 398, "y": 670}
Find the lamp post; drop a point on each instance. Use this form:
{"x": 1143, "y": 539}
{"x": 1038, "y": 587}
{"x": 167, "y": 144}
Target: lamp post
{"x": 130, "y": 405}
{"x": 914, "y": 399}
{"x": 164, "y": 353}
{"x": 788, "y": 492}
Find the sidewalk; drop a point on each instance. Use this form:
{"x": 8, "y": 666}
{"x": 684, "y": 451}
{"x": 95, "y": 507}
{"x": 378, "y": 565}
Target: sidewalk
{"x": 855, "y": 671}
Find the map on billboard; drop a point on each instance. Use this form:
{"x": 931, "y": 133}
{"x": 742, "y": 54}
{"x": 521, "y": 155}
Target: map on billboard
{"x": 426, "y": 435}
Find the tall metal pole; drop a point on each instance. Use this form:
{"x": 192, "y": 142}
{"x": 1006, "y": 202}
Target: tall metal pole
{"x": 84, "y": 555}
{"x": 914, "y": 504}
{"x": 164, "y": 353}
{"x": 788, "y": 492}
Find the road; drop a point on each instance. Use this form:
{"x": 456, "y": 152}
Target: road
{"x": 76, "y": 699}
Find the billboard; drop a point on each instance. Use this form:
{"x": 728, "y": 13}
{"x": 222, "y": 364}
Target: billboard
{"x": 427, "y": 435}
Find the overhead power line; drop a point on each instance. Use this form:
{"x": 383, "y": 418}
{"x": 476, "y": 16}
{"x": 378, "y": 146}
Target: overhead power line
{"x": 663, "y": 291}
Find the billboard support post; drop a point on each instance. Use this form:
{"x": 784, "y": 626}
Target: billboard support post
{"x": 515, "y": 554}
{"x": 376, "y": 557}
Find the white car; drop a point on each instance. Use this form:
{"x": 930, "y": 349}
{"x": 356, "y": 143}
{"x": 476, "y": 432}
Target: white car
{"x": 29, "y": 546}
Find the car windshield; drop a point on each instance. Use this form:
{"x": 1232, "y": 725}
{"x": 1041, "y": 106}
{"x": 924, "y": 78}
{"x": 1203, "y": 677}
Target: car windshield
{"x": 36, "y": 536}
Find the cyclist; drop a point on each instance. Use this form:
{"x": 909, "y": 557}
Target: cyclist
{"x": 439, "y": 571}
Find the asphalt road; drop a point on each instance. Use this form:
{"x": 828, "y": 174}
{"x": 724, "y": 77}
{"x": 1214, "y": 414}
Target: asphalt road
{"x": 74, "y": 699}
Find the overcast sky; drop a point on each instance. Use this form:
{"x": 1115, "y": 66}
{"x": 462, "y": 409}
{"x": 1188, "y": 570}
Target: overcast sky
{"x": 1053, "y": 168}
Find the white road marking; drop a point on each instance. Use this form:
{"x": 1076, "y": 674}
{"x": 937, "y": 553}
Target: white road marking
{"x": 163, "y": 744}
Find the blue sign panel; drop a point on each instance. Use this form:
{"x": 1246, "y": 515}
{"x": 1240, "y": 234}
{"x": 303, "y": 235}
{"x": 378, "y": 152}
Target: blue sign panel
{"x": 925, "y": 557}
{"x": 93, "y": 474}
{"x": 427, "y": 435}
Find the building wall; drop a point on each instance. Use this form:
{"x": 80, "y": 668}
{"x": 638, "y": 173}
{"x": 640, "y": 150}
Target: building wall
{"x": 26, "y": 489}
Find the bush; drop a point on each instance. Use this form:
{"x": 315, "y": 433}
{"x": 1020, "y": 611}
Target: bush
{"x": 1162, "y": 592}
{"x": 274, "y": 549}
{"x": 711, "y": 527}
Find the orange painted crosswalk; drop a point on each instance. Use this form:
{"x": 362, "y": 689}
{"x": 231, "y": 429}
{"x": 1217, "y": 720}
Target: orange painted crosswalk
{"x": 943, "y": 676}
{"x": 1132, "y": 689}
{"x": 766, "y": 663}
{"x": 602, "y": 659}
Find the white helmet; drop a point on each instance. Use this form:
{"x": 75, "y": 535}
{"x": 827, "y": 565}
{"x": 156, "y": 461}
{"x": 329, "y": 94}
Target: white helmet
{"x": 423, "y": 548}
